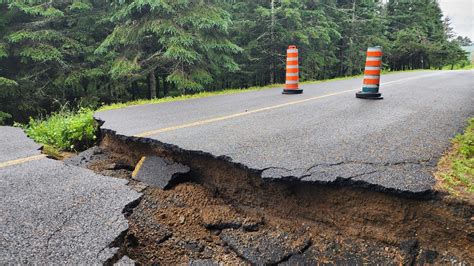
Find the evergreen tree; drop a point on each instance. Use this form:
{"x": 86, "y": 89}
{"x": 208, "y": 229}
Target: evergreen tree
{"x": 186, "y": 41}
{"x": 46, "y": 55}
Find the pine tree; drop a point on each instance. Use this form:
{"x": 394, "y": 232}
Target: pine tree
{"x": 186, "y": 41}
{"x": 50, "y": 47}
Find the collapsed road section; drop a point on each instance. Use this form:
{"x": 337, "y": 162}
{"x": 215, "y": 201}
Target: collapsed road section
{"x": 222, "y": 212}
{"x": 52, "y": 213}
{"x": 317, "y": 177}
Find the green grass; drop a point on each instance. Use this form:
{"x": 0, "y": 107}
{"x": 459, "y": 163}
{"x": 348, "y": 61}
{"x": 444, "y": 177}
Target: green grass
{"x": 468, "y": 67}
{"x": 460, "y": 67}
{"x": 456, "y": 168}
{"x": 64, "y": 130}
{"x": 183, "y": 97}
{"x": 226, "y": 92}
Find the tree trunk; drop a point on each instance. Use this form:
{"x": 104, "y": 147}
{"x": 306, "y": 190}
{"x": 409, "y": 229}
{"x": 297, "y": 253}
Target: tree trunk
{"x": 152, "y": 85}
{"x": 85, "y": 85}
{"x": 134, "y": 89}
{"x": 165, "y": 86}
{"x": 158, "y": 86}
{"x": 272, "y": 36}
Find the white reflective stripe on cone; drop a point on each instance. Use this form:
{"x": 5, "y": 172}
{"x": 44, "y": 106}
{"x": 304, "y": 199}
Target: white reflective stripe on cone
{"x": 374, "y": 49}
{"x": 291, "y": 82}
{"x": 291, "y": 74}
{"x": 292, "y": 59}
{"x": 292, "y": 50}
{"x": 295, "y": 66}
{"x": 371, "y": 77}
{"x": 373, "y": 58}
{"x": 371, "y": 86}
{"x": 372, "y": 68}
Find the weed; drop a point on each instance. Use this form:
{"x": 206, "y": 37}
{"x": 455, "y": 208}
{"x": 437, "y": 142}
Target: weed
{"x": 65, "y": 130}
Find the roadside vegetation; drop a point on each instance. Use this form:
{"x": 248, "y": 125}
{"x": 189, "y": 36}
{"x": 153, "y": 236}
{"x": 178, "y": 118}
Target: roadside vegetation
{"x": 183, "y": 97}
{"x": 456, "y": 169}
{"x": 460, "y": 66}
{"x": 65, "y": 130}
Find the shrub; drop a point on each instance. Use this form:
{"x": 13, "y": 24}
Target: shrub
{"x": 65, "y": 130}
{"x": 4, "y": 117}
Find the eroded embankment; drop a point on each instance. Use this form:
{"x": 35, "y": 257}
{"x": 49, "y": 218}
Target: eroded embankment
{"x": 228, "y": 214}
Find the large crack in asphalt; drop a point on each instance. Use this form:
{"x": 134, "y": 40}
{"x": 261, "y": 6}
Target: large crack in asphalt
{"x": 342, "y": 173}
{"x": 330, "y": 172}
{"x": 339, "y": 207}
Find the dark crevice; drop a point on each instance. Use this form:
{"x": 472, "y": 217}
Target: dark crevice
{"x": 120, "y": 241}
{"x": 305, "y": 247}
{"x": 128, "y": 209}
{"x": 176, "y": 151}
{"x": 117, "y": 243}
{"x": 379, "y": 164}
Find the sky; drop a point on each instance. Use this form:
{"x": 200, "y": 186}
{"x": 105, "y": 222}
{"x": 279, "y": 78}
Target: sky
{"x": 461, "y": 13}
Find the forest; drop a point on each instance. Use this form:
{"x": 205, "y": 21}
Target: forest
{"x": 71, "y": 54}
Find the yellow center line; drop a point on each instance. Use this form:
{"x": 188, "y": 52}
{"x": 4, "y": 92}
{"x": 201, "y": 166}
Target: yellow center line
{"x": 22, "y": 160}
{"x": 138, "y": 166}
{"x": 226, "y": 117}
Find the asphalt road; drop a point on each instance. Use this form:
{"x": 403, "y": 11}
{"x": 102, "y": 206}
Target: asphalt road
{"x": 52, "y": 213}
{"x": 14, "y": 144}
{"x": 323, "y": 135}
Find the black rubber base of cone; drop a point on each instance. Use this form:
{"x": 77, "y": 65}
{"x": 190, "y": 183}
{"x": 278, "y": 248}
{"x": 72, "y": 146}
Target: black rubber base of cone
{"x": 290, "y": 91}
{"x": 370, "y": 95}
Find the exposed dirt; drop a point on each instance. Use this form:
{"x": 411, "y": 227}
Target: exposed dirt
{"x": 227, "y": 214}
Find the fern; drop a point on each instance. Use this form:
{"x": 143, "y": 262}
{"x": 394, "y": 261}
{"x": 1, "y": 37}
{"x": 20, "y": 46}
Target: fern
{"x": 4, "y": 82}
{"x": 3, "y": 51}
{"x": 80, "y": 6}
{"x": 41, "y": 53}
{"x": 43, "y": 10}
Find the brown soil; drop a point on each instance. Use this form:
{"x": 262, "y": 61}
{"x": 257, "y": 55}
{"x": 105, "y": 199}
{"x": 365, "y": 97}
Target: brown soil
{"x": 343, "y": 224}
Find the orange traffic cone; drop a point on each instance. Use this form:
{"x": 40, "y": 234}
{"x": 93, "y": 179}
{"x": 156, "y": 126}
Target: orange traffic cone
{"x": 373, "y": 65}
{"x": 292, "y": 71}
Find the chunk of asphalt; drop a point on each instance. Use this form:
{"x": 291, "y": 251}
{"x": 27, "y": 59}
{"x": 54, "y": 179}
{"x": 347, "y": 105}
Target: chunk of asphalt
{"x": 84, "y": 158}
{"x": 263, "y": 248}
{"x": 162, "y": 234}
{"x": 342, "y": 253}
{"x": 159, "y": 172}
{"x": 308, "y": 257}
{"x": 125, "y": 261}
{"x": 427, "y": 257}
{"x": 409, "y": 249}
{"x": 193, "y": 246}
